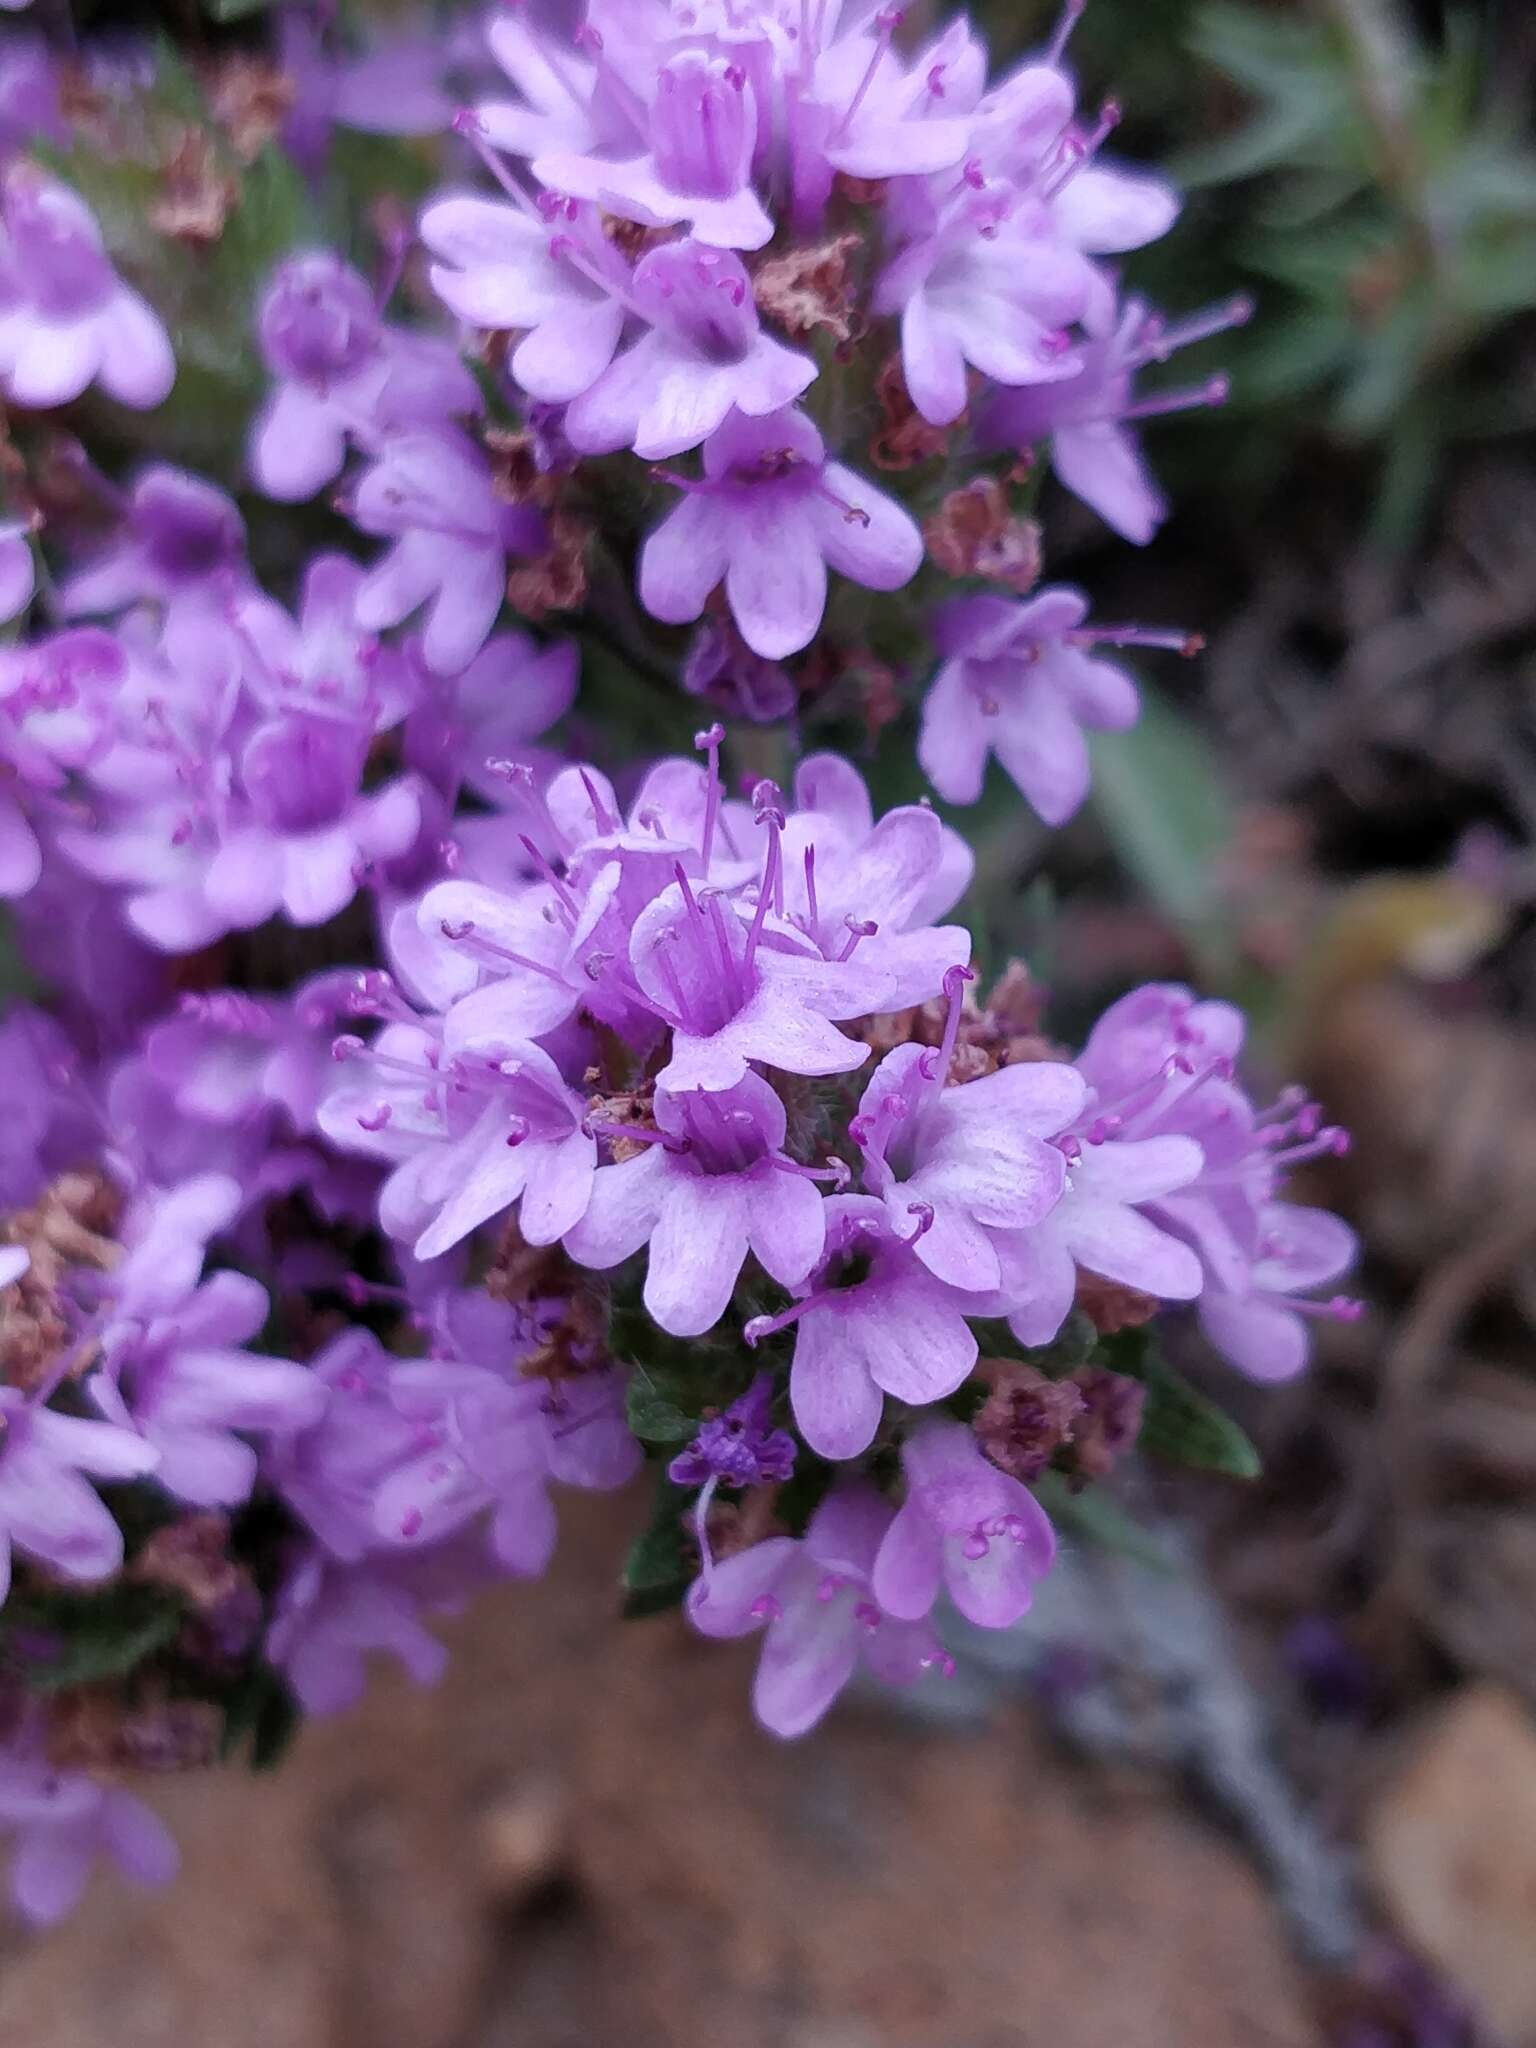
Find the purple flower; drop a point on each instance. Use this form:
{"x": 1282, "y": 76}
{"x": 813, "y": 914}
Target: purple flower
{"x": 341, "y": 374}
{"x": 739, "y": 1447}
{"x": 1018, "y": 681}
{"x": 1160, "y": 1063}
{"x": 1087, "y": 418}
{"x": 330, "y": 1615}
{"x": 701, "y": 132}
{"x": 703, "y": 353}
{"x": 555, "y": 84}
{"x": 46, "y": 1508}
{"x": 67, "y": 320}
{"x": 732, "y": 995}
{"x": 871, "y": 1321}
{"x": 392, "y": 88}
{"x": 978, "y": 287}
{"x": 1263, "y": 1330}
{"x": 331, "y": 1472}
{"x": 966, "y": 1161}
{"x": 1099, "y": 1224}
{"x": 62, "y": 1821}
{"x": 815, "y": 1601}
{"x": 769, "y": 518}
{"x": 901, "y": 872}
{"x": 490, "y": 1442}
{"x": 558, "y": 281}
{"x": 869, "y": 115}
{"x": 478, "y": 1125}
{"x": 186, "y": 1384}
{"x": 29, "y": 92}
{"x": 965, "y": 1523}
{"x": 181, "y": 539}
{"x": 715, "y": 1185}
{"x": 54, "y": 699}
{"x": 431, "y": 494}
{"x": 308, "y": 834}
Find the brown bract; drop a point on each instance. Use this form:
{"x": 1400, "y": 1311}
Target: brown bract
{"x": 1026, "y": 1418}
{"x": 1110, "y": 1307}
{"x": 904, "y": 438}
{"x": 974, "y": 533}
{"x": 70, "y": 1225}
{"x": 197, "y": 193}
{"x": 251, "y": 99}
{"x": 555, "y": 581}
{"x": 808, "y": 289}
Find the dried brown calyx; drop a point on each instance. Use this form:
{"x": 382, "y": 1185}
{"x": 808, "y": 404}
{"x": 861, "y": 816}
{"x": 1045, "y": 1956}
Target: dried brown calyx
{"x": 809, "y": 289}
{"x": 1026, "y": 1418}
{"x": 1084, "y": 1422}
{"x": 1109, "y": 1422}
{"x": 975, "y": 533}
{"x": 1001, "y": 1033}
{"x": 104, "y": 1727}
{"x": 1110, "y": 1307}
{"x": 197, "y": 193}
{"x": 904, "y": 438}
{"x": 251, "y": 99}
{"x": 70, "y": 1225}
{"x": 555, "y": 581}
{"x": 566, "y": 1305}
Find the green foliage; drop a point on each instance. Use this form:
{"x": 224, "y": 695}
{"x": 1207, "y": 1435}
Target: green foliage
{"x": 1390, "y": 202}
{"x": 1179, "y": 1423}
{"x": 261, "y": 1717}
{"x": 1164, "y": 806}
{"x": 53, "y": 1639}
{"x": 662, "y": 1560}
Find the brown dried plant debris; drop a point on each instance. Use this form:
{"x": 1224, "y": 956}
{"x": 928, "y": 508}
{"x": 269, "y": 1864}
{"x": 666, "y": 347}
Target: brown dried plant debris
{"x": 1111, "y": 1307}
{"x": 555, "y": 581}
{"x": 904, "y": 438}
{"x": 976, "y": 533}
{"x": 251, "y": 99}
{"x": 809, "y": 289}
{"x": 197, "y": 193}
{"x": 190, "y": 1557}
{"x": 1026, "y": 1418}
{"x": 71, "y": 1224}
{"x": 106, "y": 1727}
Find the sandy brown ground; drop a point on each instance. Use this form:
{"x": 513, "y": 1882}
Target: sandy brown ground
{"x": 691, "y": 1885}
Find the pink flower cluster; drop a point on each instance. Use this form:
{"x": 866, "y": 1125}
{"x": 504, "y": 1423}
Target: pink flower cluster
{"x": 408, "y": 1093}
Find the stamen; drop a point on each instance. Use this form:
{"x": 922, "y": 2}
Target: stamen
{"x": 1188, "y": 644}
{"x": 1215, "y": 392}
{"x": 858, "y": 928}
{"x": 459, "y": 934}
{"x": 1160, "y": 341}
{"x": 887, "y": 21}
{"x": 1071, "y": 14}
{"x": 759, "y": 1327}
{"x": 542, "y": 867}
{"x": 605, "y": 820}
{"x": 710, "y": 741}
{"x": 936, "y": 1066}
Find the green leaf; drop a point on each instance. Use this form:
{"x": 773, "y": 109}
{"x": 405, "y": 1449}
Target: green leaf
{"x": 1096, "y": 1519}
{"x": 661, "y": 1563}
{"x": 1161, "y": 799}
{"x": 87, "y": 1638}
{"x": 260, "y": 1710}
{"x": 1181, "y": 1424}
{"x": 652, "y": 1416}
